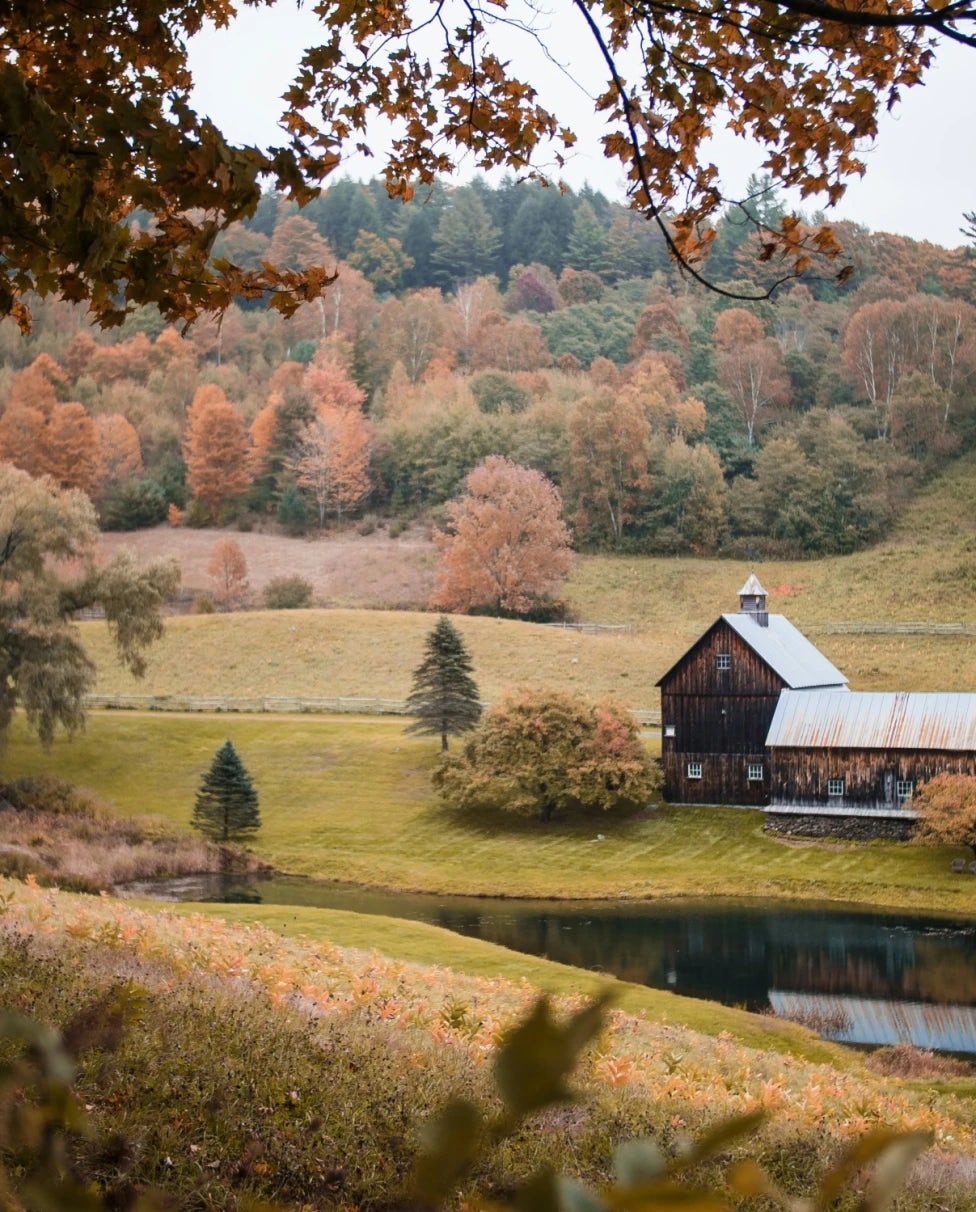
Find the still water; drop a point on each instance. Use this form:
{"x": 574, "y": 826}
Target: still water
{"x": 858, "y": 976}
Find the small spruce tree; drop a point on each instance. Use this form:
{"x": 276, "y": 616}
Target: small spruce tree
{"x": 226, "y": 807}
{"x": 444, "y": 697}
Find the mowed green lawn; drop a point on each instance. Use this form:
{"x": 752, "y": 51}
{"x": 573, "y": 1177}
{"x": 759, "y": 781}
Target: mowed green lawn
{"x": 350, "y": 799}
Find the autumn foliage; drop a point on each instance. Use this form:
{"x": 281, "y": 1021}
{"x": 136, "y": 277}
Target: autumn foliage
{"x": 215, "y": 447}
{"x": 946, "y": 807}
{"x": 506, "y": 548}
{"x": 138, "y": 188}
{"x": 550, "y": 754}
{"x": 228, "y": 567}
{"x": 331, "y": 459}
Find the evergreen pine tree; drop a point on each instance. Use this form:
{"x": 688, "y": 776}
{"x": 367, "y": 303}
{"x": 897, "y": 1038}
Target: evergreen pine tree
{"x": 444, "y": 697}
{"x": 226, "y": 807}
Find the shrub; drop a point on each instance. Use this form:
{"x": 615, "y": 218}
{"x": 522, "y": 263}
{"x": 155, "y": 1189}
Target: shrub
{"x": 293, "y": 512}
{"x": 946, "y": 807}
{"x": 133, "y": 506}
{"x": 44, "y": 793}
{"x": 196, "y": 514}
{"x": 203, "y": 604}
{"x": 550, "y": 753}
{"x": 902, "y": 1060}
{"x": 288, "y": 593}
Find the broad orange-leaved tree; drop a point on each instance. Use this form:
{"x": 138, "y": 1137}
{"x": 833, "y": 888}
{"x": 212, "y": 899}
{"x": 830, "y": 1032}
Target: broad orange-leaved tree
{"x": 506, "y": 547}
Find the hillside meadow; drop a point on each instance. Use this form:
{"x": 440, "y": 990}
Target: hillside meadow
{"x": 925, "y": 571}
{"x": 241, "y": 1070}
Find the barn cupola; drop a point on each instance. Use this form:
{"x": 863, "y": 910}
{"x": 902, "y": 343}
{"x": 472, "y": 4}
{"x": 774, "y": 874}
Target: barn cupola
{"x": 752, "y": 600}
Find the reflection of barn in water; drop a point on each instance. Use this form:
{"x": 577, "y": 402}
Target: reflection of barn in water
{"x": 736, "y": 955}
{"x": 862, "y": 1020}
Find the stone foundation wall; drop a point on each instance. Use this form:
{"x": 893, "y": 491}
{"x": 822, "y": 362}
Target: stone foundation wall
{"x": 850, "y": 828}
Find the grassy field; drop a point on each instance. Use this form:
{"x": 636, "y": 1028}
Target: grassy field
{"x": 926, "y": 571}
{"x": 350, "y": 800}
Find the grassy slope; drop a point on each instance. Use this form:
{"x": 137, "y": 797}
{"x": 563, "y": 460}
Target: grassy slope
{"x": 418, "y": 943}
{"x": 246, "y": 1034}
{"x": 925, "y": 571}
{"x": 351, "y": 799}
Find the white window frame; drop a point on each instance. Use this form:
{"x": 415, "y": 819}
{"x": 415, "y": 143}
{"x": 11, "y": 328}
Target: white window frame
{"x": 694, "y": 770}
{"x": 755, "y": 772}
{"x": 904, "y": 788}
{"x": 836, "y": 787}
{"x": 669, "y": 730}
{"x": 723, "y": 661}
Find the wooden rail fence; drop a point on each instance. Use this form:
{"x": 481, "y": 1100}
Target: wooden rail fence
{"x": 594, "y": 628}
{"x": 281, "y": 704}
{"x": 861, "y": 627}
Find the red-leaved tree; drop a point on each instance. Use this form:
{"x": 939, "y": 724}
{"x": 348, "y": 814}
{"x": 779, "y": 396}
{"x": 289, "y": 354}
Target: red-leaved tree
{"x": 506, "y": 548}
{"x": 228, "y": 567}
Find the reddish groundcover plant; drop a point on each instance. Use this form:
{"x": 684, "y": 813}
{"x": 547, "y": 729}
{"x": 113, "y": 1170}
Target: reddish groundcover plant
{"x": 506, "y": 548}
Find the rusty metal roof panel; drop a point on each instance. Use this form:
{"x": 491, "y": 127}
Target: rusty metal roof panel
{"x": 867, "y": 719}
{"x": 787, "y": 651}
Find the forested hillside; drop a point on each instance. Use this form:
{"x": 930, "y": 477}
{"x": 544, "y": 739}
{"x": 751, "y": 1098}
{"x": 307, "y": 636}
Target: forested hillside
{"x": 546, "y": 326}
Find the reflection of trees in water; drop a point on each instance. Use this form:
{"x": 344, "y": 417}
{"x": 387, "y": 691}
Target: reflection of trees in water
{"x": 736, "y": 957}
{"x": 945, "y": 973}
{"x": 622, "y": 947}
{"x": 859, "y": 972}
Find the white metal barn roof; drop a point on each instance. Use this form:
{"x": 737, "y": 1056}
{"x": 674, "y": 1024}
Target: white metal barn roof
{"x": 787, "y": 651}
{"x": 867, "y": 719}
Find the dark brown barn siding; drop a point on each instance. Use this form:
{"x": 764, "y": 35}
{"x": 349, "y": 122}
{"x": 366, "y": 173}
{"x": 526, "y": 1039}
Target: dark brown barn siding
{"x": 798, "y": 777}
{"x": 725, "y": 778}
{"x": 720, "y": 718}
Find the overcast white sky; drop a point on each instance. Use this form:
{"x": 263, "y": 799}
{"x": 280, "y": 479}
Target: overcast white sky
{"x": 921, "y": 174}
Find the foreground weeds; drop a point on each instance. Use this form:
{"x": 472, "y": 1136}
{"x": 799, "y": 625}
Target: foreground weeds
{"x": 298, "y": 1072}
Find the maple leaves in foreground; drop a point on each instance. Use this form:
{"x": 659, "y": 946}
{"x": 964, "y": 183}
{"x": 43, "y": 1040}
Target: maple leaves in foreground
{"x": 115, "y": 189}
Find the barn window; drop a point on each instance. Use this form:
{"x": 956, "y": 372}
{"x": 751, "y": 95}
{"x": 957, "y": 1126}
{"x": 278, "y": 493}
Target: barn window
{"x": 694, "y": 770}
{"x": 755, "y": 772}
{"x": 723, "y": 660}
{"x": 835, "y": 786}
{"x": 904, "y": 789}
{"x": 669, "y": 729}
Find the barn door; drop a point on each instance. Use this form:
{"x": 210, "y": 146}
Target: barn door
{"x": 889, "y": 788}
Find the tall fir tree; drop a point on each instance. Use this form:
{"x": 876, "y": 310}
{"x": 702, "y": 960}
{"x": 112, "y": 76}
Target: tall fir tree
{"x": 226, "y": 807}
{"x": 444, "y": 697}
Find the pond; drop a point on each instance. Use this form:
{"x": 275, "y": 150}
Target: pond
{"x": 857, "y": 976}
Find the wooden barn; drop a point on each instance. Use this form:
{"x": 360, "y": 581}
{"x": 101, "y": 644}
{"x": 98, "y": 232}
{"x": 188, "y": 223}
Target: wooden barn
{"x": 718, "y": 700}
{"x": 859, "y": 756}
{"x": 754, "y": 714}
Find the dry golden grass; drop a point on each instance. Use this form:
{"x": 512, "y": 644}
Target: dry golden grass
{"x": 313, "y": 653}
